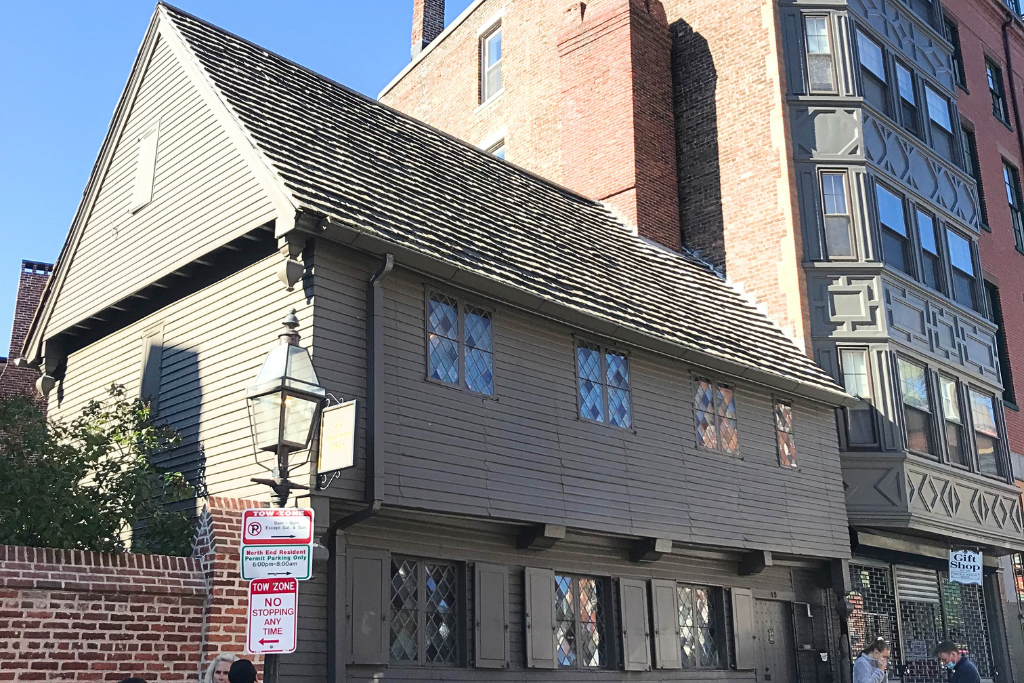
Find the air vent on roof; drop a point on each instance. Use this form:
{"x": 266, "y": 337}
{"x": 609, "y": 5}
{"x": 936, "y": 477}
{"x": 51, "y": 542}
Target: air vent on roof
{"x": 917, "y": 585}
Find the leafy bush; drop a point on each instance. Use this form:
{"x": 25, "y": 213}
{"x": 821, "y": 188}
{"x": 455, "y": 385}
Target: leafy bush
{"x": 83, "y": 483}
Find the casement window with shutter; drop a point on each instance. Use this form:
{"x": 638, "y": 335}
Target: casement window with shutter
{"x": 784, "y": 433}
{"x": 917, "y": 406}
{"x": 602, "y": 376}
{"x": 860, "y": 419}
{"x": 839, "y": 241}
{"x": 821, "y": 74}
{"x": 565, "y": 620}
{"x": 874, "y": 83}
{"x": 714, "y": 410}
{"x": 986, "y": 434}
{"x": 460, "y": 344}
{"x": 690, "y": 626}
{"x": 425, "y": 612}
{"x": 895, "y": 238}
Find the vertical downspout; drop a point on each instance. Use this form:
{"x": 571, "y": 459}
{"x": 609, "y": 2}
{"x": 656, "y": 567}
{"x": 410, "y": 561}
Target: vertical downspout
{"x": 374, "y": 469}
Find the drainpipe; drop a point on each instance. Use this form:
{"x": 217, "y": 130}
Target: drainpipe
{"x": 374, "y": 463}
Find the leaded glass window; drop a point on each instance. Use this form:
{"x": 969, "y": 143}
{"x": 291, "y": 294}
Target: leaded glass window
{"x": 603, "y": 378}
{"x": 460, "y": 344}
{"x": 714, "y": 409}
{"x": 424, "y": 612}
{"x": 784, "y": 433}
{"x": 700, "y": 629}
{"x": 579, "y": 622}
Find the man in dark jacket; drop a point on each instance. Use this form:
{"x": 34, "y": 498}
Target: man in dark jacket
{"x": 963, "y": 669}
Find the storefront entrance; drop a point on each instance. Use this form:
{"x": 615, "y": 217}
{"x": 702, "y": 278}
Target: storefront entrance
{"x": 915, "y": 608}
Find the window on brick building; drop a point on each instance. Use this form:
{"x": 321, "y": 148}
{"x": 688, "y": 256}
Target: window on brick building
{"x": 969, "y": 162}
{"x": 995, "y": 314}
{"x": 860, "y": 418}
{"x": 490, "y": 63}
{"x": 1011, "y": 179}
{"x": 910, "y": 114}
{"x": 962, "y": 260}
{"x": 941, "y": 124}
{"x": 874, "y": 83}
{"x": 602, "y": 376}
{"x": 497, "y": 149}
{"x": 931, "y": 262}
{"x": 953, "y": 36}
{"x": 714, "y": 408}
{"x": 895, "y": 238}
{"x": 425, "y": 609}
{"x": 986, "y": 434}
{"x": 995, "y": 88}
{"x": 953, "y": 424}
{"x": 821, "y": 75}
{"x": 917, "y": 406}
{"x": 839, "y": 242}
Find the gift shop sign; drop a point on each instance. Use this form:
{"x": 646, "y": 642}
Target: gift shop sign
{"x": 964, "y": 566}
{"x": 273, "y": 607}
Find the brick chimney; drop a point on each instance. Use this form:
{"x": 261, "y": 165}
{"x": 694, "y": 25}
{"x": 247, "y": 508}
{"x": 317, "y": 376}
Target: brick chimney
{"x": 618, "y": 129}
{"x": 14, "y": 379}
{"x": 427, "y": 23}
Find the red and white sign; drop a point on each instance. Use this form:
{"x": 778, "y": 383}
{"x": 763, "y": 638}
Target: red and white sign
{"x": 273, "y": 607}
{"x": 277, "y": 526}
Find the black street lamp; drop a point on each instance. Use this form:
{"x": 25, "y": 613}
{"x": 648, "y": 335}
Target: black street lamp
{"x": 283, "y": 404}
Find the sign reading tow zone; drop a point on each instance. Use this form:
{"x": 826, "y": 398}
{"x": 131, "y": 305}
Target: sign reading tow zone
{"x": 273, "y": 604}
{"x": 280, "y": 561}
{"x": 288, "y": 526}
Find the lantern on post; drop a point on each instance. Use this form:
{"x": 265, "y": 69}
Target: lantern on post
{"x": 283, "y": 405}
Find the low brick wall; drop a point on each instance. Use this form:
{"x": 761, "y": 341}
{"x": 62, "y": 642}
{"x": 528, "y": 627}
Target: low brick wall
{"x": 81, "y": 616}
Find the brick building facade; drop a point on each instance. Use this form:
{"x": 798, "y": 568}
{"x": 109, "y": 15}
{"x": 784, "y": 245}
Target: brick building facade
{"x": 821, "y": 166}
{"x": 15, "y": 379}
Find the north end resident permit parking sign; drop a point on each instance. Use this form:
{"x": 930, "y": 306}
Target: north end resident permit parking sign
{"x": 965, "y": 566}
{"x": 273, "y": 607}
{"x": 277, "y": 561}
{"x": 277, "y": 526}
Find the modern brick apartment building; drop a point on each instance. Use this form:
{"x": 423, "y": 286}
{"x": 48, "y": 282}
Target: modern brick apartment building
{"x": 15, "y": 379}
{"x": 820, "y": 162}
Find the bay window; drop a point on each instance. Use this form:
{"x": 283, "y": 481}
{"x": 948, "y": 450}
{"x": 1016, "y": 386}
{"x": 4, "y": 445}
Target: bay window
{"x": 941, "y": 125}
{"x": 961, "y": 258}
{"x": 860, "y": 421}
{"x": 917, "y": 408}
{"x": 986, "y": 434}
{"x": 952, "y": 422}
{"x": 895, "y": 240}
{"x": 872, "y": 69}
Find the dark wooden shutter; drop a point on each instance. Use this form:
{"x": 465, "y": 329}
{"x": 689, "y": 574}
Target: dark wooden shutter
{"x": 636, "y": 640}
{"x": 369, "y": 581}
{"x": 743, "y": 626}
{"x": 540, "y": 618}
{"x": 665, "y": 608}
{"x": 491, "y": 606}
{"x": 152, "y": 360}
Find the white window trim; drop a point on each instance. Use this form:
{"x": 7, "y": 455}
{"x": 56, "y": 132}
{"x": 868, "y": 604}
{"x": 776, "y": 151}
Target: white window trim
{"x": 489, "y": 25}
{"x": 137, "y": 201}
{"x": 493, "y": 139}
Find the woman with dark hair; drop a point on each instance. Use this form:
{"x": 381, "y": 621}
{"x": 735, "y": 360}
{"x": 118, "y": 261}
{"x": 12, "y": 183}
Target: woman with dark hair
{"x": 870, "y": 666}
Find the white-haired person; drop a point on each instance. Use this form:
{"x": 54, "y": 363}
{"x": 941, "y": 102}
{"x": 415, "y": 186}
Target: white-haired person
{"x": 217, "y": 672}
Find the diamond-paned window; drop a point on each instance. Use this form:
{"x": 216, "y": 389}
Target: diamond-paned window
{"x": 603, "y": 379}
{"x": 784, "y": 433}
{"x": 424, "y": 612}
{"x": 714, "y": 410}
{"x": 579, "y": 622}
{"x": 700, "y": 627}
{"x": 460, "y": 344}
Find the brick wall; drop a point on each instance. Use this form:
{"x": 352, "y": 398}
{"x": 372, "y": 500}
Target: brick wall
{"x": 736, "y": 192}
{"x": 980, "y": 25}
{"x": 83, "y": 616}
{"x": 14, "y": 380}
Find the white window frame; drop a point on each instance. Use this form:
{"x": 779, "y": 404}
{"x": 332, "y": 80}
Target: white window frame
{"x": 483, "y": 35}
{"x": 147, "y": 147}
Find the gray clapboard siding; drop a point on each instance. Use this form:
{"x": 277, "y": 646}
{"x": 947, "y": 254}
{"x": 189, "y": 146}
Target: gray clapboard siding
{"x": 420, "y": 535}
{"x": 214, "y": 343}
{"x": 526, "y": 456}
{"x": 204, "y": 195}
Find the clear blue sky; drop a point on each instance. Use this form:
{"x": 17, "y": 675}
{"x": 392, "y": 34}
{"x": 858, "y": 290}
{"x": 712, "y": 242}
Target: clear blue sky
{"x": 63, "y": 65}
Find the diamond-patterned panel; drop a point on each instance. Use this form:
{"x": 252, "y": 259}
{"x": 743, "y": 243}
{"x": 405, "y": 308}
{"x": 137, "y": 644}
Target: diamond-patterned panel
{"x": 707, "y": 628}
{"x": 590, "y": 637}
{"x": 404, "y": 627}
{"x": 619, "y": 413}
{"x": 440, "y": 582}
{"x": 707, "y": 435}
{"x": 588, "y": 368}
{"x": 444, "y": 359}
{"x": 687, "y": 630}
{"x": 480, "y": 371}
{"x": 565, "y": 620}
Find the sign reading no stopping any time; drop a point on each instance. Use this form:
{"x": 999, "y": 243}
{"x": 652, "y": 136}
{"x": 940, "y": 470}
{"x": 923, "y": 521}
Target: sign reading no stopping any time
{"x": 273, "y": 607}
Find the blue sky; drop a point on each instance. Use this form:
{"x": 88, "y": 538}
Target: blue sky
{"x": 63, "y": 66}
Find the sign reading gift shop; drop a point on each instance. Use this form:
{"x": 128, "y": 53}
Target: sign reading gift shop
{"x": 273, "y": 608}
{"x": 965, "y": 566}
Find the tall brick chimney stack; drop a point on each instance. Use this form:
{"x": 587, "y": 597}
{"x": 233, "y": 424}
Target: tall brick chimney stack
{"x": 14, "y": 379}
{"x": 618, "y": 130}
{"x": 427, "y": 23}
